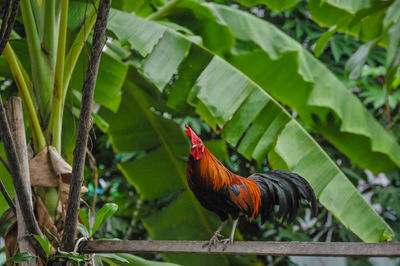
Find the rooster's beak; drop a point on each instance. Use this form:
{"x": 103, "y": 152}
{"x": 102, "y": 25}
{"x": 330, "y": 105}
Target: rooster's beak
{"x": 194, "y": 146}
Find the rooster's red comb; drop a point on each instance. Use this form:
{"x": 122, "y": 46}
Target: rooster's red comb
{"x": 191, "y": 133}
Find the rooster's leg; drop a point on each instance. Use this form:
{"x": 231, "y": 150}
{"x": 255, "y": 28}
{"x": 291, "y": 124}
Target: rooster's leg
{"x": 230, "y": 239}
{"x": 214, "y": 239}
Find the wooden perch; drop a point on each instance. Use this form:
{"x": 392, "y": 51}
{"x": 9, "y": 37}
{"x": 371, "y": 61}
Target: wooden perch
{"x": 84, "y": 125}
{"x": 317, "y": 249}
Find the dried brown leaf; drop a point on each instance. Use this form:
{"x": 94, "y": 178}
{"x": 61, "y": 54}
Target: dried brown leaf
{"x": 11, "y": 240}
{"x": 40, "y": 171}
{"x": 46, "y": 223}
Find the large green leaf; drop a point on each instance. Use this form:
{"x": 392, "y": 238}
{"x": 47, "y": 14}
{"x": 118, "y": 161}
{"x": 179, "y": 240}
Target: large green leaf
{"x": 224, "y": 96}
{"x": 276, "y": 5}
{"x": 129, "y": 259}
{"x": 109, "y": 80}
{"x": 208, "y": 27}
{"x": 268, "y": 57}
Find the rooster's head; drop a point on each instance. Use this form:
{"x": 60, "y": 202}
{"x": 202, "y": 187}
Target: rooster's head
{"x": 197, "y": 145}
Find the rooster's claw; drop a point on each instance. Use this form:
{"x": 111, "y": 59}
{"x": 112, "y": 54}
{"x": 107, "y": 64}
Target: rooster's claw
{"x": 225, "y": 243}
{"x": 213, "y": 241}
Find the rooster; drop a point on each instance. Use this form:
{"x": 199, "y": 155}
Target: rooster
{"x": 225, "y": 193}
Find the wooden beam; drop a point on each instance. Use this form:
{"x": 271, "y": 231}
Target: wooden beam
{"x": 317, "y": 249}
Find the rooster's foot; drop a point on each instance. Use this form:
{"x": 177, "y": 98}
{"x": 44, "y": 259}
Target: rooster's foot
{"x": 213, "y": 241}
{"x": 225, "y": 242}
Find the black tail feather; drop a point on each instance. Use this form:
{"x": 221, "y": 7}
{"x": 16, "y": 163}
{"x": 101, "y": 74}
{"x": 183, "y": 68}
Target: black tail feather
{"x": 284, "y": 189}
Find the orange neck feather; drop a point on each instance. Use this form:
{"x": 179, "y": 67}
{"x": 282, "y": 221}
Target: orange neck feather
{"x": 212, "y": 173}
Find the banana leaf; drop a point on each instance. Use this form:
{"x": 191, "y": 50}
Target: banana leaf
{"x": 124, "y": 259}
{"x": 275, "y": 5}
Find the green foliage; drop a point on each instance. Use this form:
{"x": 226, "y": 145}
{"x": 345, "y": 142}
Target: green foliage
{"x": 45, "y": 244}
{"x": 6, "y": 180}
{"x": 323, "y": 41}
{"x": 70, "y": 256}
{"x": 275, "y": 5}
{"x": 85, "y": 227}
{"x": 376, "y": 22}
{"x": 21, "y": 257}
{"x": 363, "y": 18}
{"x": 358, "y": 59}
{"x": 139, "y": 7}
{"x": 109, "y": 81}
{"x": 103, "y": 214}
{"x": 128, "y": 259}
{"x": 47, "y": 247}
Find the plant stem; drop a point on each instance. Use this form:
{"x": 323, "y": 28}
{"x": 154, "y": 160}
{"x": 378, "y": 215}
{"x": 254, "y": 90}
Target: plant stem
{"x": 28, "y": 83}
{"x": 68, "y": 67}
{"x": 58, "y": 90}
{"x": 38, "y": 15}
{"x": 50, "y": 31}
{"x": 163, "y": 10}
{"x": 93, "y": 168}
{"x": 386, "y": 92}
{"x": 394, "y": 120}
{"x": 39, "y": 141}
{"x": 42, "y": 76}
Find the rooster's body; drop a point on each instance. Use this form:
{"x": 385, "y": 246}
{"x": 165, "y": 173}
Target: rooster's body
{"x": 226, "y": 193}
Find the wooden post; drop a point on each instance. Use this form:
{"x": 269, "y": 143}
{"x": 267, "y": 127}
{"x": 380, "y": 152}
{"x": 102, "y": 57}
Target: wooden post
{"x": 17, "y": 128}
